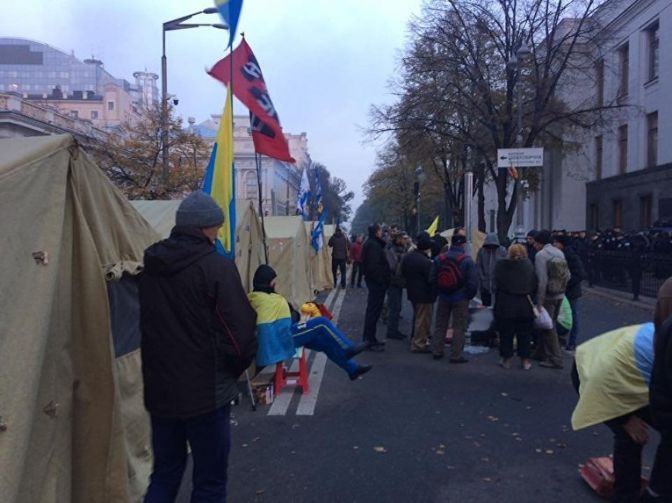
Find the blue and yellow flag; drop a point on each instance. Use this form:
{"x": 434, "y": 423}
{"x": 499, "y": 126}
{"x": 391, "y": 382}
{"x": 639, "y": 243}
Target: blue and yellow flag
{"x": 434, "y": 227}
{"x": 219, "y": 179}
{"x": 230, "y": 12}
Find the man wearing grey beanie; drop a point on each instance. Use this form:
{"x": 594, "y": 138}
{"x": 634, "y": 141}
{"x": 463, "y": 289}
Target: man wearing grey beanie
{"x": 198, "y": 337}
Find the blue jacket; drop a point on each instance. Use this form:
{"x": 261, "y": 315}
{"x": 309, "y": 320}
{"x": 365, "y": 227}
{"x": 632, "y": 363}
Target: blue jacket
{"x": 468, "y": 268}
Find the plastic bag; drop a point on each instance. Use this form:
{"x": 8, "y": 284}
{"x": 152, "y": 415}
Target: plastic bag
{"x": 543, "y": 320}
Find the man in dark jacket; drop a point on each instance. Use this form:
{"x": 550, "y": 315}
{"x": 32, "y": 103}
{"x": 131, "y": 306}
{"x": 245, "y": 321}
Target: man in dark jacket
{"x": 394, "y": 253}
{"x": 340, "y": 253}
{"x": 454, "y": 303}
{"x": 198, "y": 337}
{"x": 574, "y": 290}
{"x": 417, "y": 270}
{"x": 377, "y": 275}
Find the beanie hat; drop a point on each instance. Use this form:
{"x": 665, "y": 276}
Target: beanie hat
{"x": 543, "y": 237}
{"x": 199, "y": 210}
{"x": 458, "y": 239}
{"x": 263, "y": 277}
{"x": 424, "y": 241}
{"x": 563, "y": 240}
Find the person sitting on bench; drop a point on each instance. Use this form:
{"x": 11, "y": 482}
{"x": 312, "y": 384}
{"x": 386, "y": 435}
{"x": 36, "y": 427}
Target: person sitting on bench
{"x": 280, "y": 329}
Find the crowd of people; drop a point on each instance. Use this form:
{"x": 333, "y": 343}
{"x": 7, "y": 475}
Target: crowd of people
{"x": 201, "y": 331}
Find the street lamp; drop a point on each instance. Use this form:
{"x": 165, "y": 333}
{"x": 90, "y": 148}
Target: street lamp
{"x": 172, "y": 25}
{"x": 419, "y": 178}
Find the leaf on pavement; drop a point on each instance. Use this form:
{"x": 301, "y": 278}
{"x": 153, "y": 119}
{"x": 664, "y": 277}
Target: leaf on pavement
{"x": 504, "y": 394}
{"x": 380, "y": 448}
{"x": 549, "y": 451}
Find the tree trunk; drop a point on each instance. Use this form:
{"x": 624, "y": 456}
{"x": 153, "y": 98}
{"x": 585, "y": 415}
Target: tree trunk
{"x": 481, "y": 204}
{"x": 504, "y": 216}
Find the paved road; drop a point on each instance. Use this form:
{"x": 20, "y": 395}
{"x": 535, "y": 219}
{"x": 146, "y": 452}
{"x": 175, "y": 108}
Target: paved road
{"x": 420, "y": 430}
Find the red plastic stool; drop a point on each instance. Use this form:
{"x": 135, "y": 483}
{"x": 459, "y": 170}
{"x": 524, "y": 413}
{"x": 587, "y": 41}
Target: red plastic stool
{"x": 283, "y": 376}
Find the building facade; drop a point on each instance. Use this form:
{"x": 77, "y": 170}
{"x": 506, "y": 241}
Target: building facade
{"x": 279, "y": 180}
{"x": 81, "y": 89}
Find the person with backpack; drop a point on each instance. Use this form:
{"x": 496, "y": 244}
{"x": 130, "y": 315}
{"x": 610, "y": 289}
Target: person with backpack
{"x": 553, "y": 276}
{"x": 456, "y": 280}
{"x": 394, "y": 253}
{"x": 574, "y": 290}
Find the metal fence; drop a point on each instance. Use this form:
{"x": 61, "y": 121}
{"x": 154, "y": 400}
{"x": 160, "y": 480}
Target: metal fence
{"x": 639, "y": 273}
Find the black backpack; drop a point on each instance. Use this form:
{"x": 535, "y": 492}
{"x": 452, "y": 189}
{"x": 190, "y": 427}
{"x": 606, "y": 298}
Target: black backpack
{"x": 450, "y": 278}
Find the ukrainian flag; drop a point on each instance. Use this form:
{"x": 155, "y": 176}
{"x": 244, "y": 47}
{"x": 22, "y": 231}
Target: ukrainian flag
{"x": 219, "y": 179}
{"x": 230, "y": 12}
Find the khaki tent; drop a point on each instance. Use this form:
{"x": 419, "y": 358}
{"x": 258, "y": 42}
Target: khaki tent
{"x": 70, "y": 377}
{"x": 289, "y": 255}
{"x": 320, "y": 262}
{"x": 477, "y": 239}
{"x": 249, "y": 240}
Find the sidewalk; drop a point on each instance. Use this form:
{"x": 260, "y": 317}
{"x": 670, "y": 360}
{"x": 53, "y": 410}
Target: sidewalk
{"x": 644, "y": 302}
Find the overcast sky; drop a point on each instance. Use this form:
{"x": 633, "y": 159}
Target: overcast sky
{"x": 324, "y": 62}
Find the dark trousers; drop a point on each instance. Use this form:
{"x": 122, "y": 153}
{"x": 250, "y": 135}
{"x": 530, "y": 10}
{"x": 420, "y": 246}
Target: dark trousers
{"x": 486, "y": 298}
{"x": 336, "y": 264}
{"x": 394, "y": 295}
{"x": 209, "y": 436}
{"x": 374, "y": 306}
{"x": 573, "y": 303}
{"x": 356, "y": 271}
{"x": 521, "y": 329}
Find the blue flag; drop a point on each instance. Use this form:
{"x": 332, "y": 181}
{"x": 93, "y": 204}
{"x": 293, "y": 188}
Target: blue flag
{"x": 317, "y": 236}
{"x": 318, "y": 188}
{"x": 304, "y": 195}
{"x": 230, "y": 12}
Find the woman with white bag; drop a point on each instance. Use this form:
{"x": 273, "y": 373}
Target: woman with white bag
{"x": 515, "y": 282}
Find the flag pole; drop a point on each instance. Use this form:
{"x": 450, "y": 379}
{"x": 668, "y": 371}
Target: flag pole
{"x": 257, "y": 159}
{"x": 233, "y": 156}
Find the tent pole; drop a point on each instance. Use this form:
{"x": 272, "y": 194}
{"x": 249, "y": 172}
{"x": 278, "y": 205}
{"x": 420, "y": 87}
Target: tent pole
{"x": 257, "y": 158}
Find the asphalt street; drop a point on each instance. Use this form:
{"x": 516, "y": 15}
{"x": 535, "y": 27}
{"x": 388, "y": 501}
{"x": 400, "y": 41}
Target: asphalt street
{"x": 416, "y": 429}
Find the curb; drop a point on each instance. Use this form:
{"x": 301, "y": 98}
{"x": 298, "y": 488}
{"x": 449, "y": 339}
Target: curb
{"x": 646, "y": 303}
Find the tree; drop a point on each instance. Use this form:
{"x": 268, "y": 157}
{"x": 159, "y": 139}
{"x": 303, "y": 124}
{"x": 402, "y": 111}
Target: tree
{"x": 335, "y": 196}
{"x": 460, "y": 79}
{"x": 132, "y": 158}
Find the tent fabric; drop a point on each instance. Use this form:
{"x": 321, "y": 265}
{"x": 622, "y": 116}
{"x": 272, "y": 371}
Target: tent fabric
{"x": 249, "y": 239}
{"x": 477, "y": 240}
{"x": 75, "y": 423}
{"x": 320, "y": 262}
{"x": 289, "y": 255}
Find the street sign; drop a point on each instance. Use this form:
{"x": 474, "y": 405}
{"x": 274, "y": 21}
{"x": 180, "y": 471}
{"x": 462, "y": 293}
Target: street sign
{"x": 520, "y": 157}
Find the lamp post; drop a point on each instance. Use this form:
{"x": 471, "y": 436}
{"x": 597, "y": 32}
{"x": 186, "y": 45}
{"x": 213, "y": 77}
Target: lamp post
{"x": 175, "y": 24}
{"x": 419, "y": 178}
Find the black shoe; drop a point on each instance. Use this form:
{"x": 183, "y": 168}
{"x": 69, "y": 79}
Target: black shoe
{"x": 437, "y": 356}
{"x": 397, "y": 336}
{"x": 355, "y": 350}
{"x": 376, "y": 347}
{"x": 460, "y": 359}
{"x": 361, "y": 370}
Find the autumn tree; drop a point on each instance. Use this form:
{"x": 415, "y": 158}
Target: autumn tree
{"x": 132, "y": 158}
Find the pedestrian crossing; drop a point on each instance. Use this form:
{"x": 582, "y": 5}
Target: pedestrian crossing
{"x": 317, "y": 365}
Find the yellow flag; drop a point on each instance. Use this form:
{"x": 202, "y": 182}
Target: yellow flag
{"x": 219, "y": 179}
{"x": 434, "y": 228}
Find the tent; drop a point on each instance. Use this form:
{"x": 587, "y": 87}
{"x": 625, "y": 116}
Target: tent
{"x": 249, "y": 239}
{"x": 75, "y": 428}
{"x": 477, "y": 239}
{"x": 289, "y": 255}
{"x": 320, "y": 261}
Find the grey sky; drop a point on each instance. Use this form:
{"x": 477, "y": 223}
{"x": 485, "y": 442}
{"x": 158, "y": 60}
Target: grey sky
{"x": 324, "y": 62}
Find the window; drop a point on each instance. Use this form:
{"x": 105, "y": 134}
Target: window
{"x": 74, "y": 114}
{"x": 599, "y": 81}
{"x": 110, "y": 105}
{"x": 652, "y": 139}
{"x": 594, "y": 216}
{"x": 645, "y": 210}
{"x": 599, "y": 147}
{"x": 623, "y": 149}
{"x": 617, "y": 213}
{"x": 623, "y": 69}
{"x": 251, "y": 186}
{"x": 94, "y": 114}
{"x": 653, "y": 43}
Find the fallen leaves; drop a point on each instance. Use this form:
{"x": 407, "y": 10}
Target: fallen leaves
{"x": 380, "y": 448}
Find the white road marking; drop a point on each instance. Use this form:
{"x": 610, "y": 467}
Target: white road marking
{"x": 308, "y": 402}
{"x": 282, "y": 401}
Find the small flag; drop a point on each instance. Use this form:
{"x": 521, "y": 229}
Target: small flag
{"x": 304, "y": 195}
{"x": 317, "y": 236}
{"x": 434, "y": 228}
{"x": 219, "y": 180}
{"x": 513, "y": 172}
{"x": 230, "y": 12}
{"x": 318, "y": 188}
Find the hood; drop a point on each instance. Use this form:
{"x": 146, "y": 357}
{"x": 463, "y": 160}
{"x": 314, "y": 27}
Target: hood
{"x": 491, "y": 240}
{"x": 184, "y": 247}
